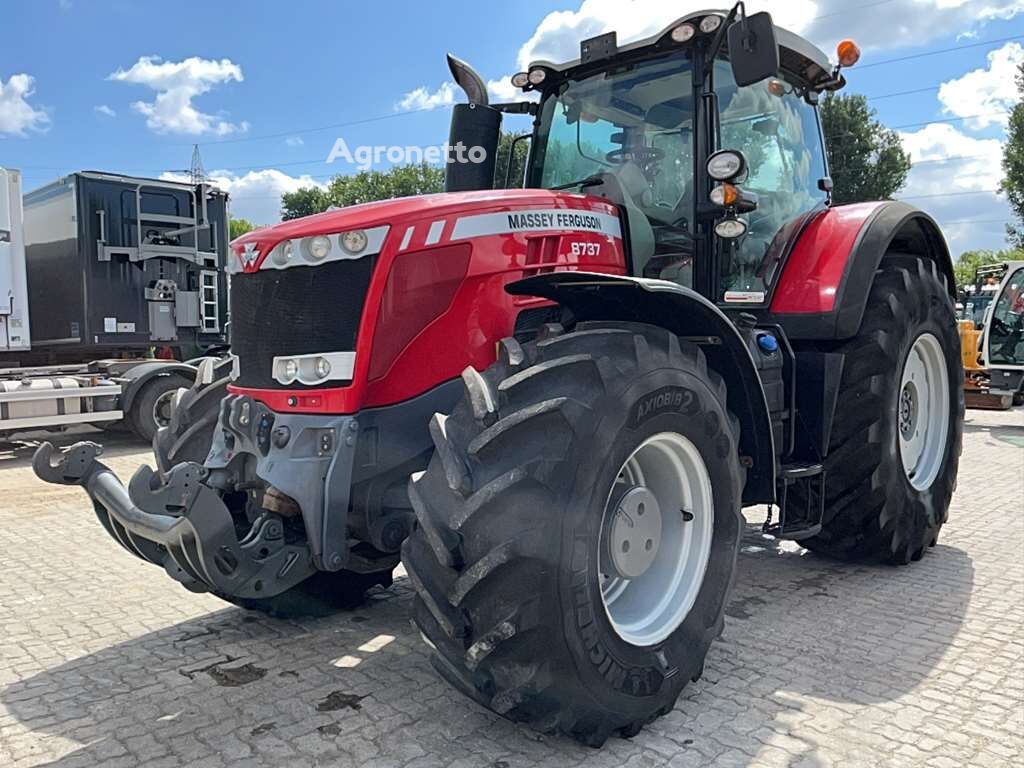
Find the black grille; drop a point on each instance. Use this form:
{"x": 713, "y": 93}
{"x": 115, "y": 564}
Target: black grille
{"x": 296, "y": 311}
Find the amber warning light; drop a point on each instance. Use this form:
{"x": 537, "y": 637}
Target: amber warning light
{"x": 848, "y": 53}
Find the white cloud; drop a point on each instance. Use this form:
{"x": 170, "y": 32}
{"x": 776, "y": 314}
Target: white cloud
{"x": 177, "y": 83}
{"x": 985, "y": 92}
{"x": 17, "y": 116}
{"x": 423, "y": 98}
{"x": 256, "y": 195}
{"x": 294, "y": 141}
{"x": 103, "y": 109}
{"x": 944, "y": 160}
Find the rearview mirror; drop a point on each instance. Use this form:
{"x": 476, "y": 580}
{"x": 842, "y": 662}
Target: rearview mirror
{"x": 753, "y": 51}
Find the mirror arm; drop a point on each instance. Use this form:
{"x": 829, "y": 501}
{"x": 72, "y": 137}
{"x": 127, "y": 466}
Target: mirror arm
{"x": 716, "y": 42}
{"x": 517, "y": 108}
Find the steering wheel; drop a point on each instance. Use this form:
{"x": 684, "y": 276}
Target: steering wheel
{"x": 638, "y": 155}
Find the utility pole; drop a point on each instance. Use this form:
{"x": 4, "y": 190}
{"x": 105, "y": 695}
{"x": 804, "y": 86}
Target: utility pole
{"x": 197, "y": 171}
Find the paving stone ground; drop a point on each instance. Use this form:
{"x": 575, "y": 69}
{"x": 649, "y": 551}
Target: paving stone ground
{"x": 104, "y": 661}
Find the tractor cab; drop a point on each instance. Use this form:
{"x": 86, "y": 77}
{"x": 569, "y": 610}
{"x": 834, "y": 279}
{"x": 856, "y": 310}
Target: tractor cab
{"x": 706, "y": 136}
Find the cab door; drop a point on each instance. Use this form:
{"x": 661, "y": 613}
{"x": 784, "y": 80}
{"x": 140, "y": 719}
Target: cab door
{"x": 1003, "y": 343}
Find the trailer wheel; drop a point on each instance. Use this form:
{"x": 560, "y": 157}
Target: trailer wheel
{"x": 154, "y": 404}
{"x": 895, "y": 444}
{"x": 320, "y": 595}
{"x": 188, "y": 435}
{"x": 578, "y": 527}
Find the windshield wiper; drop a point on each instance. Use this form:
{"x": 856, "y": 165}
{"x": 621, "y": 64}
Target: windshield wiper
{"x": 589, "y": 181}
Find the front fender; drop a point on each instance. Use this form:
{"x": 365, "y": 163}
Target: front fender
{"x": 686, "y": 313}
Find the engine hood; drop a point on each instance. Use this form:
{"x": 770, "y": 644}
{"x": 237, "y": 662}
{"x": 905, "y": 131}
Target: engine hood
{"x": 408, "y": 209}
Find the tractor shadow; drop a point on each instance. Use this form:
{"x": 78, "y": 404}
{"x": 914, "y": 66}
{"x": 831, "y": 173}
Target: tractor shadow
{"x": 357, "y": 687}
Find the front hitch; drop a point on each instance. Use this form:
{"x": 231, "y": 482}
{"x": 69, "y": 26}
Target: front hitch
{"x": 181, "y": 524}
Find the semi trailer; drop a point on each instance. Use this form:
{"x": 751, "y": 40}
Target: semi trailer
{"x": 100, "y": 274}
{"x": 554, "y": 402}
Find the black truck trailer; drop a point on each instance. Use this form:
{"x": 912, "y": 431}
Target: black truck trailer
{"x": 116, "y": 283}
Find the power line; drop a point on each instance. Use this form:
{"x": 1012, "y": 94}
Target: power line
{"x": 951, "y": 194}
{"x": 939, "y": 51}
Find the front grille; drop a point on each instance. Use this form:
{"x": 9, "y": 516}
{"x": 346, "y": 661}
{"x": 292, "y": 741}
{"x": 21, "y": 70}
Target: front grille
{"x": 296, "y": 311}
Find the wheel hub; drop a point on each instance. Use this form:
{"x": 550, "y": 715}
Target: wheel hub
{"x": 635, "y": 533}
{"x": 908, "y": 410}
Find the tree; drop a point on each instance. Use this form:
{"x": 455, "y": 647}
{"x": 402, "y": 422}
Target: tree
{"x": 969, "y": 261}
{"x": 238, "y": 227}
{"x": 364, "y": 187}
{"x": 1013, "y": 166}
{"x": 501, "y": 171}
{"x": 866, "y": 159}
{"x": 304, "y": 201}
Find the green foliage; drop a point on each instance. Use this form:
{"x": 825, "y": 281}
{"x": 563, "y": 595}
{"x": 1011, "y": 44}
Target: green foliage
{"x": 969, "y": 261}
{"x": 515, "y": 178}
{"x": 304, "y": 202}
{"x": 866, "y": 159}
{"x": 238, "y": 227}
{"x": 1013, "y": 166}
{"x": 364, "y": 187}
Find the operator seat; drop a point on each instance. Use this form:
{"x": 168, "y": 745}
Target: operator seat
{"x": 625, "y": 187}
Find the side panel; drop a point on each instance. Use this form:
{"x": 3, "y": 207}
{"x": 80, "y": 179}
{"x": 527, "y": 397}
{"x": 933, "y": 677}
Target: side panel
{"x": 14, "y": 320}
{"x": 823, "y": 289}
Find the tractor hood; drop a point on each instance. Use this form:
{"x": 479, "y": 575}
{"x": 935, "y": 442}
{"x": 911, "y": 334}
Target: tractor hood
{"x": 251, "y": 249}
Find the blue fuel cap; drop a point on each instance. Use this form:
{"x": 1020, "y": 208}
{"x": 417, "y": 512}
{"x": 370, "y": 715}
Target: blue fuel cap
{"x": 767, "y": 343}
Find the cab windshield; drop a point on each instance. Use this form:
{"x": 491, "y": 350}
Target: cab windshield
{"x": 632, "y": 129}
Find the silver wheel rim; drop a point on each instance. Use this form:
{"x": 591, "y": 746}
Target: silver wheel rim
{"x": 922, "y": 411}
{"x": 667, "y": 475}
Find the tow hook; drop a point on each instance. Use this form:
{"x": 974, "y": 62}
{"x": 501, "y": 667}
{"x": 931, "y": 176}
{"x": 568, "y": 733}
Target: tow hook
{"x": 181, "y": 524}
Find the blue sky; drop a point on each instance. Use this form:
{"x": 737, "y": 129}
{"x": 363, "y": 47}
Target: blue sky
{"x": 129, "y": 87}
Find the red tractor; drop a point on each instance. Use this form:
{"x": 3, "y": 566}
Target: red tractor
{"x": 586, "y": 379}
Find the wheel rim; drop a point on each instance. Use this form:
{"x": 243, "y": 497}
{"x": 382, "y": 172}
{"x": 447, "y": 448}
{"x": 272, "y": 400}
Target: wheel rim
{"x": 162, "y": 408}
{"x": 922, "y": 411}
{"x": 655, "y": 541}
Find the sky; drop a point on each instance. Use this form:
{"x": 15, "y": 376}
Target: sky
{"x": 266, "y": 89}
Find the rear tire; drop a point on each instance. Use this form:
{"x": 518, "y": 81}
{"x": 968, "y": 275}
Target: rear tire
{"x": 512, "y": 544}
{"x": 153, "y": 404}
{"x": 876, "y": 507}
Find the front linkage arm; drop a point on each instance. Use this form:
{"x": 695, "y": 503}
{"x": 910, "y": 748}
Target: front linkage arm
{"x": 181, "y": 524}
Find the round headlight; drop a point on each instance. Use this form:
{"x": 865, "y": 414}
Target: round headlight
{"x": 683, "y": 33}
{"x": 290, "y": 369}
{"x": 322, "y": 368}
{"x": 319, "y": 247}
{"x": 353, "y": 242}
{"x": 723, "y": 194}
{"x": 730, "y": 228}
{"x": 537, "y": 76}
{"x": 710, "y": 23}
{"x": 725, "y": 165}
{"x": 283, "y": 253}
{"x": 520, "y": 80}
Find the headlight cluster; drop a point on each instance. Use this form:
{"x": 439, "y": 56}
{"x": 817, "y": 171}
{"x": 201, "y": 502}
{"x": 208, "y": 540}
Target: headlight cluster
{"x": 314, "y": 369}
{"x": 688, "y": 29}
{"x": 318, "y": 249}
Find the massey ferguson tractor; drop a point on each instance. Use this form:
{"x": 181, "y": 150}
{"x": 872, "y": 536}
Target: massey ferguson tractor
{"x": 552, "y": 403}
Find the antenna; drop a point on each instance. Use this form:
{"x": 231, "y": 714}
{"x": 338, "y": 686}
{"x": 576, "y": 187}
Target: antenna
{"x": 197, "y": 171}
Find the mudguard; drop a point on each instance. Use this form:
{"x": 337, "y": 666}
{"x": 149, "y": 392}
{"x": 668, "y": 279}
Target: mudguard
{"x": 826, "y": 278}
{"x": 592, "y": 296}
{"x": 136, "y": 377}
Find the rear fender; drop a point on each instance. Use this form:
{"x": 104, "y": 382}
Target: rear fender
{"x": 686, "y": 313}
{"x": 823, "y": 289}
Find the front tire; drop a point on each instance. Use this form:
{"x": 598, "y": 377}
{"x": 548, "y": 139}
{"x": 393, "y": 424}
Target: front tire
{"x": 515, "y": 545}
{"x": 895, "y": 444}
